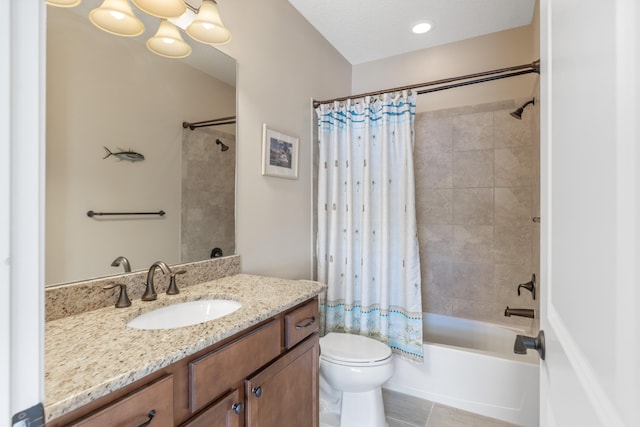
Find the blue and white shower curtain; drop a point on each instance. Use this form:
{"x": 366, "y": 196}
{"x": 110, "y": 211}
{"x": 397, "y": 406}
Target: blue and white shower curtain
{"x": 367, "y": 234}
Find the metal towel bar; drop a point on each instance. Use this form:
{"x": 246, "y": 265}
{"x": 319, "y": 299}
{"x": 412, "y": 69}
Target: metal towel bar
{"x": 91, "y": 214}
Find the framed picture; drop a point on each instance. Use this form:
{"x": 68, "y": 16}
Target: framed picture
{"x": 279, "y": 154}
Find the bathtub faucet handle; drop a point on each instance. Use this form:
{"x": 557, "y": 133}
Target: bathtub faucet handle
{"x": 524, "y": 342}
{"x": 530, "y": 286}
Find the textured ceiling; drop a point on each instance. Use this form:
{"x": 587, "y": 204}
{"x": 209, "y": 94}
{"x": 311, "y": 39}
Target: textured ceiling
{"x": 367, "y": 30}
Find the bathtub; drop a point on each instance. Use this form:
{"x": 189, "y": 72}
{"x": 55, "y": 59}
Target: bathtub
{"x": 470, "y": 365}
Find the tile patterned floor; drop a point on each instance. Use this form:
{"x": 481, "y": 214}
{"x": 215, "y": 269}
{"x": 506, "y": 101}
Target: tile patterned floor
{"x": 408, "y": 411}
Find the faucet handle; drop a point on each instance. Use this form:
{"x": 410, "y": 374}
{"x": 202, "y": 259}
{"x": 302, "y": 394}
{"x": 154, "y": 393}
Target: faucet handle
{"x": 530, "y": 286}
{"x": 173, "y": 287}
{"x": 123, "y": 298}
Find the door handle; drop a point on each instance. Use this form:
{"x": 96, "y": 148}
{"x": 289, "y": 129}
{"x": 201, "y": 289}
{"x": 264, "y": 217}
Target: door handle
{"x": 524, "y": 342}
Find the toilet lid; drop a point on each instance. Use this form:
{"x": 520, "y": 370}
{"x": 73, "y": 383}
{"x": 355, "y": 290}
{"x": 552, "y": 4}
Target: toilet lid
{"x": 353, "y": 348}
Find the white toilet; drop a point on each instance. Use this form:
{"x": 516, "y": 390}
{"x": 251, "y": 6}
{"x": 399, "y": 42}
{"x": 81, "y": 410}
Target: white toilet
{"x": 352, "y": 371}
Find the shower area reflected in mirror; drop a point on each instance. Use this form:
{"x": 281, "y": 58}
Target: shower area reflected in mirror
{"x": 208, "y": 188}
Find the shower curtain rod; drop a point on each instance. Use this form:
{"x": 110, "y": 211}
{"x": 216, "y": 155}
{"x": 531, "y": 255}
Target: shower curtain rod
{"x": 212, "y": 122}
{"x": 451, "y": 82}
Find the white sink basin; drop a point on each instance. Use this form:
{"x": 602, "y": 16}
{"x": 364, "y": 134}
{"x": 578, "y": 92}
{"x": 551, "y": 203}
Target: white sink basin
{"x": 184, "y": 314}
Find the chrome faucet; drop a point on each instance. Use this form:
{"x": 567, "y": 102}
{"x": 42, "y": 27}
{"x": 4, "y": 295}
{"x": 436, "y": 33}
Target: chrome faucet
{"x": 150, "y": 293}
{"x": 124, "y": 261}
{"x": 522, "y": 312}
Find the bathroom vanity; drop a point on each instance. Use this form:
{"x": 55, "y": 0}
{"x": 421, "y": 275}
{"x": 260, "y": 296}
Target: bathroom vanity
{"x": 255, "y": 367}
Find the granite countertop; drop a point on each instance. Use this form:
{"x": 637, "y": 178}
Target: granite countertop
{"x": 89, "y": 355}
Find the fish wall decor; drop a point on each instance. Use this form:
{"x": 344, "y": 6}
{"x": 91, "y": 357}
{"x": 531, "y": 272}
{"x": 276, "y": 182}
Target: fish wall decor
{"x": 130, "y": 156}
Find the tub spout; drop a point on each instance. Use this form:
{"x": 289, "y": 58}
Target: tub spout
{"x": 522, "y": 312}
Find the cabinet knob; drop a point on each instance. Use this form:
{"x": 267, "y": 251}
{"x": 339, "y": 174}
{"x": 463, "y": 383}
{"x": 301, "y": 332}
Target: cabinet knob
{"x": 238, "y": 407}
{"x": 257, "y": 391}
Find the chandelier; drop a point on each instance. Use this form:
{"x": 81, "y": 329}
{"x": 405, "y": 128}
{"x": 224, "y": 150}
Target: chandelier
{"x": 202, "y": 24}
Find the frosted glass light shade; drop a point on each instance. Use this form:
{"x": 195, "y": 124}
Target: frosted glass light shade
{"x": 161, "y": 8}
{"x": 63, "y": 3}
{"x": 116, "y": 17}
{"x": 168, "y": 42}
{"x": 208, "y": 27}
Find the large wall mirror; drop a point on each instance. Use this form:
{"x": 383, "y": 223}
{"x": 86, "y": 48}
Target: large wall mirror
{"x": 106, "y": 92}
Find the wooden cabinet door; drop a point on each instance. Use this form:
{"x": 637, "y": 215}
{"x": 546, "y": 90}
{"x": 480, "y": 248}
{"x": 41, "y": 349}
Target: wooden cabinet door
{"x": 227, "y": 412}
{"x": 286, "y": 393}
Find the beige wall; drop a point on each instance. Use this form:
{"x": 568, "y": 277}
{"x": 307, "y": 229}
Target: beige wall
{"x": 282, "y": 64}
{"x": 492, "y": 51}
{"x": 101, "y": 94}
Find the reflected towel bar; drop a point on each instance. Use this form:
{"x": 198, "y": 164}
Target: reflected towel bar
{"x": 91, "y": 214}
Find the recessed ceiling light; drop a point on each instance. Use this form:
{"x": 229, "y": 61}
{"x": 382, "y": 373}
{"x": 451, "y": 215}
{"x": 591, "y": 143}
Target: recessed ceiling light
{"x": 421, "y": 27}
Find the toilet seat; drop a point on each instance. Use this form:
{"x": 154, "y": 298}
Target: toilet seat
{"x": 349, "y": 349}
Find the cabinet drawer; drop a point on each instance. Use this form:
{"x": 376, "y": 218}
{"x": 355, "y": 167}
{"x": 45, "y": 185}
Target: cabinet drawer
{"x": 133, "y": 409}
{"x": 301, "y": 323}
{"x": 212, "y": 374}
{"x": 228, "y": 412}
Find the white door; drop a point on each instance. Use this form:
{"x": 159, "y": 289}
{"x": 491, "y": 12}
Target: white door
{"x": 22, "y": 58}
{"x": 590, "y": 229}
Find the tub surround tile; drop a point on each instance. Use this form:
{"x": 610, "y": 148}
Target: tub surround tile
{"x": 473, "y": 132}
{"x": 512, "y": 205}
{"x": 434, "y": 170}
{"x": 513, "y": 167}
{"x": 436, "y": 206}
{"x": 432, "y": 302}
{"x": 512, "y": 244}
{"x": 473, "y": 309}
{"x": 440, "y": 278}
{"x": 473, "y": 168}
{"x": 473, "y": 243}
{"x": 473, "y": 206}
{"x": 510, "y": 132}
{"x": 79, "y": 297}
{"x": 473, "y": 281}
{"x": 487, "y": 205}
{"x": 94, "y": 353}
{"x": 433, "y": 134}
{"x": 435, "y": 242}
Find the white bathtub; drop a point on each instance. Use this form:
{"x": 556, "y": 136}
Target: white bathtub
{"x": 470, "y": 365}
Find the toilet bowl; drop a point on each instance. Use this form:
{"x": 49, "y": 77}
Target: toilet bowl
{"x": 352, "y": 371}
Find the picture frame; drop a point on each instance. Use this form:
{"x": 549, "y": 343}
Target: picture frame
{"x": 279, "y": 154}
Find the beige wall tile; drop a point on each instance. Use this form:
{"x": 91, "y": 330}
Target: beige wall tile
{"x": 510, "y": 132}
{"x": 432, "y": 134}
{"x": 435, "y": 206}
{"x": 434, "y": 170}
{"x": 513, "y": 167}
{"x": 472, "y": 309}
{"x": 473, "y": 281}
{"x": 473, "y": 243}
{"x": 473, "y": 132}
{"x": 476, "y": 192}
{"x": 473, "y": 206}
{"x": 512, "y": 244}
{"x": 512, "y": 205}
{"x": 473, "y": 168}
{"x": 435, "y": 303}
{"x": 435, "y": 242}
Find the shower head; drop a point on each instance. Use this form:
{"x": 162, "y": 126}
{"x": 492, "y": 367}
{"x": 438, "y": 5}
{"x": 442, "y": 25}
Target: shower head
{"x": 223, "y": 146}
{"x": 518, "y": 113}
